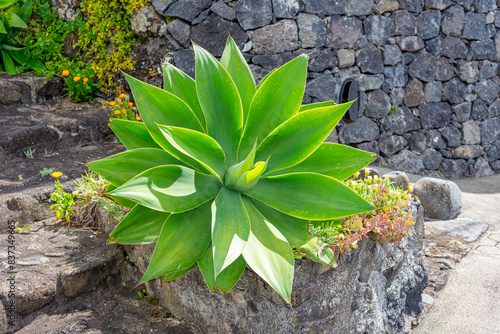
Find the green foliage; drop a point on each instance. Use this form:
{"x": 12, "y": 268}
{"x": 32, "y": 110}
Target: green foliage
{"x": 122, "y": 108}
{"x": 29, "y": 153}
{"x": 89, "y": 190}
{"x": 106, "y": 36}
{"x": 14, "y": 14}
{"x": 46, "y": 171}
{"x": 45, "y": 37}
{"x": 21, "y": 178}
{"x": 389, "y": 222}
{"x": 63, "y": 202}
{"x": 223, "y": 174}
{"x": 393, "y": 109}
{"x": 80, "y": 84}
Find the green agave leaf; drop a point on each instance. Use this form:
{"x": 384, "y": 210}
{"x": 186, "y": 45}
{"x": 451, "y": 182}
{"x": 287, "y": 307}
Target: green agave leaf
{"x": 183, "y": 239}
{"x": 140, "y": 226}
{"x": 15, "y": 21}
{"x": 8, "y": 63}
{"x": 11, "y": 48}
{"x": 2, "y": 27}
{"x": 25, "y": 11}
{"x": 294, "y": 140}
{"x": 159, "y": 106}
{"x": 268, "y": 253}
{"x": 220, "y": 102}
{"x": 121, "y": 167}
{"x": 316, "y": 105}
{"x": 196, "y": 145}
{"x": 206, "y": 264}
{"x": 335, "y": 160}
{"x": 234, "y": 62}
{"x": 119, "y": 200}
{"x": 183, "y": 86}
{"x": 227, "y": 278}
{"x": 169, "y": 188}
{"x": 177, "y": 274}
{"x": 133, "y": 134}
{"x": 277, "y": 99}
{"x": 296, "y": 231}
{"x": 309, "y": 196}
{"x": 230, "y": 228}
{"x": 6, "y": 3}
{"x": 266, "y": 77}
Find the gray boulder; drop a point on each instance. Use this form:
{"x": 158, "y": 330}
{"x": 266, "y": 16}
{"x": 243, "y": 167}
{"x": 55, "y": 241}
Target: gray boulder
{"x": 325, "y": 7}
{"x": 434, "y": 115}
{"x": 312, "y": 31}
{"x": 441, "y": 199}
{"x": 287, "y": 8}
{"x": 399, "y": 179}
{"x": 343, "y": 32}
{"x": 429, "y": 24}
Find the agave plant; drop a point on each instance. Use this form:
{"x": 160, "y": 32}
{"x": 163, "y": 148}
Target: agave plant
{"x": 223, "y": 173}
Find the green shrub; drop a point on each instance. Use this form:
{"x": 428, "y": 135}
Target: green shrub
{"x": 223, "y": 174}
{"x": 14, "y": 14}
{"x": 107, "y": 37}
{"x": 80, "y": 84}
{"x": 63, "y": 201}
{"x": 45, "y": 36}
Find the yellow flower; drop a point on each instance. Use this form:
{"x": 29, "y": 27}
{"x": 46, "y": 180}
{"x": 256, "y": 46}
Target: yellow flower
{"x": 56, "y": 174}
{"x": 85, "y": 80}
{"x": 138, "y": 118}
{"x": 130, "y": 104}
{"x": 124, "y": 111}
{"x": 117, "y": 112}
{"x": 112, "y": 103}
{"x": 122, "y": 96}
{"x": 120, "y": 103}
{"x": 65, "y": 73}
{"x": 76, "y": 78}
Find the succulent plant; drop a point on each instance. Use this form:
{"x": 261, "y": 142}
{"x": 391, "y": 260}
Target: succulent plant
{"x": 223, "y": 173}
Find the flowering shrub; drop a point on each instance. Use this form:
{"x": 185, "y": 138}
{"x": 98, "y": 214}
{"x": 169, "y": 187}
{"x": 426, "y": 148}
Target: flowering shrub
{"x": 388, "y": 223}
{"x": 122, "y": 108}
{"x": 80, "y": 84}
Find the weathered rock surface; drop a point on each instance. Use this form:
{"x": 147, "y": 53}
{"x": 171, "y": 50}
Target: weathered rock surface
{"x": 363, "y": 129}
{"x": 400, "y": 179}
{"x": 466, "y": 228}
{"x": 407, "y": 161}
{"x": 440, "y": 199}
{"x": 276, "y": 38}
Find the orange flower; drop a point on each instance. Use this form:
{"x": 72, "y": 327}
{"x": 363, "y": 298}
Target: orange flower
{"x": 112, "y": 103}
{"x": 138, "y": 118}
{"x": 117, "y": 112}
{"x": 122, "y": 96}
{"x": 130, "y": 104}
{"x": 85, "y": 80}
{"x": 120, "y": 103}
{"x": 65, "y": 73}
{"x": 56, "y": 174}
{"x": 124, "y": 111}
{"x": 76, "y": 78}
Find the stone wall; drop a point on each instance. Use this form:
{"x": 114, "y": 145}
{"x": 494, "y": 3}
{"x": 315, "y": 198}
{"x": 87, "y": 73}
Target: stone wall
{"x": 427, "y": 69}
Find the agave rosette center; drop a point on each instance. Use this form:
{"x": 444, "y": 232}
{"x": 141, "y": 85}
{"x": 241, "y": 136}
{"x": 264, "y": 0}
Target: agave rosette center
{"x": 223, "y": 173}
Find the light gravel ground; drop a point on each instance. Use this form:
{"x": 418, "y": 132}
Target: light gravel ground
{"x": 470, "y": 301}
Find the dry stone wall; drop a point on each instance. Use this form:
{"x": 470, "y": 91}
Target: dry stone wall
{"x": 427, "y": 69}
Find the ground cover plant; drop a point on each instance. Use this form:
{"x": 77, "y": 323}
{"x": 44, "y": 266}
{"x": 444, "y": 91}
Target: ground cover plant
{"x": 388, "y": 223}
{"x": 223, "y": 174}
